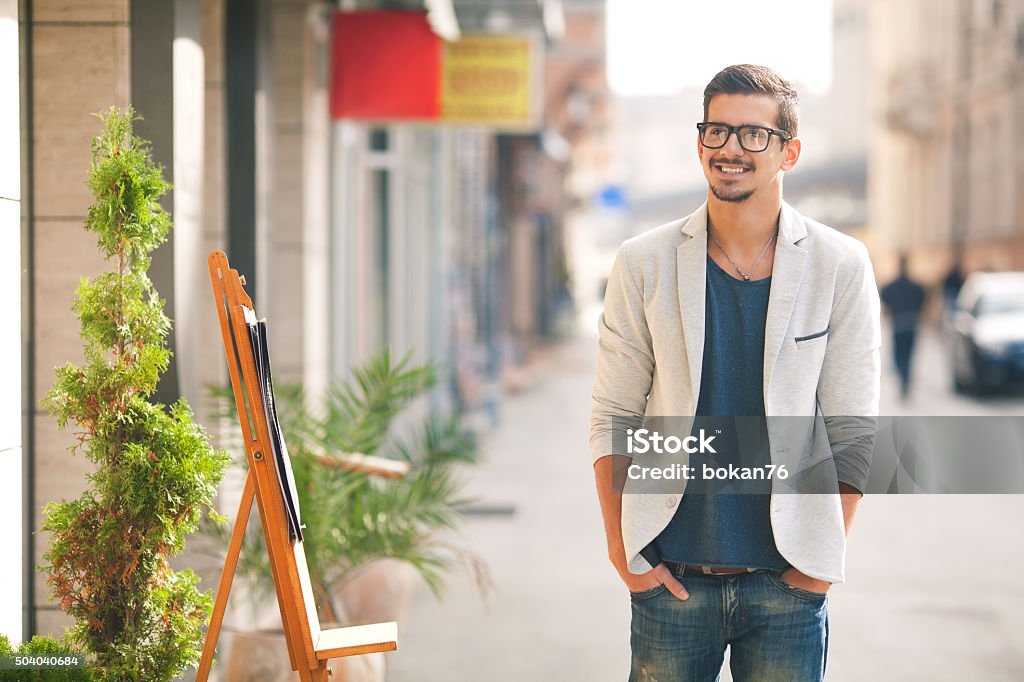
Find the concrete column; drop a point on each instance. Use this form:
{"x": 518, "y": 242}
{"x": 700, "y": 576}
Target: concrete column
{"x": 167, "y": 91}
{"x": 191, "y": 278}
{"x": 152, "y": 94}
{"x": 285, "y": 252}
{"x": 297, "y": 238}
{"x": 79, "y": 65}
{"x": 249, "y": 159}
{"x": 211, "y": 368}
{"x": 441, "y": 228}
{"x": 316, "y": 203}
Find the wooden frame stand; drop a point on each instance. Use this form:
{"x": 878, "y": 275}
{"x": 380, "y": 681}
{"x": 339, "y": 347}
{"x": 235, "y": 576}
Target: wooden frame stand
{"x": 309, "y": 647}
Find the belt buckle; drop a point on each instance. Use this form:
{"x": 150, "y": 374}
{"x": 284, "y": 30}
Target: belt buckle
{"x": 708, "y": 570}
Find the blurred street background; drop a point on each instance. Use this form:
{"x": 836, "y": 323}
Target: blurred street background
{"x": 926, "y": 596}
{"x": 451, "y": 179}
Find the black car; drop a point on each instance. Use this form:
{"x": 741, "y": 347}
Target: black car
{"x": 988, "y": 332}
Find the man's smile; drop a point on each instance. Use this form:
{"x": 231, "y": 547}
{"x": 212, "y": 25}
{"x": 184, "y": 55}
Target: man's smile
{"x": 731, "y": 170}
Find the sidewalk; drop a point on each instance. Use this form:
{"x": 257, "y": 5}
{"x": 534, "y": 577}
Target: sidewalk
{"x": 558, "y": 610}
{"x": 931, "y": 591}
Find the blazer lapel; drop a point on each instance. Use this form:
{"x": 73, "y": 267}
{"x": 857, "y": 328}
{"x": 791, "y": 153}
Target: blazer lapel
{"x": 691, "y": 271}
{"x": 787, "y": 271}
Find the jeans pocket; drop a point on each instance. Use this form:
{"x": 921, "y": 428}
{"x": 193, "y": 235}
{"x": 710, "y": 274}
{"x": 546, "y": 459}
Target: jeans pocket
{"x": 775, "y": 579}
{"x": 647, "y": 594}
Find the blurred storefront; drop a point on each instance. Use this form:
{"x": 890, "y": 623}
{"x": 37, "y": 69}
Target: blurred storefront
{"x": 437, "y": 233}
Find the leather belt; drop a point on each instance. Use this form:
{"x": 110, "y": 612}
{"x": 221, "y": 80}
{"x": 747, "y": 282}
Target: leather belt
{"x": 719, "y": 570}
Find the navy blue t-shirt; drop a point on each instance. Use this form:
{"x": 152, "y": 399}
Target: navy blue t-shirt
{"x": 712, "y": 527}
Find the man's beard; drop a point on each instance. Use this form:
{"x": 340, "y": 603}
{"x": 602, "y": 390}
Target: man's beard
{"x": 731, "y": 198}
{"x": 721, "y": 194}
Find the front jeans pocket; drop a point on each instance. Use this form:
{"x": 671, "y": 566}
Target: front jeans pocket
{"x": 799, "y": 592}
{"x": 647, "y": 594}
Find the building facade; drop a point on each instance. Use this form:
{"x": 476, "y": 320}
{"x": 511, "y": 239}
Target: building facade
{"x": 945, "y": 168}
{"x": 353, "y": 235}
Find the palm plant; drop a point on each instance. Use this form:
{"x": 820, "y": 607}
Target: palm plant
{"x": 349, "y": 517}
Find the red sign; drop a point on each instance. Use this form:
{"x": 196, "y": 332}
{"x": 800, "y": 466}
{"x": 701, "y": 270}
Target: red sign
{"x": 385, "y": 65}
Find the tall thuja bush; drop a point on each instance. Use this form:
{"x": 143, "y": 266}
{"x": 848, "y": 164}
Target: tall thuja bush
{"x": 155, "y": 471}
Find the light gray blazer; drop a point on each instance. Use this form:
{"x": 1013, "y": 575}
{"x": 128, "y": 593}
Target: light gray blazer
{"x": 650, "y": 353}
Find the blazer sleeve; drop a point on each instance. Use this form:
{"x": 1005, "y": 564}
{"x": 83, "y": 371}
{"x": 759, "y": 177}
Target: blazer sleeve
{"x": 850, "y": 379}
{"x": 625, "y": 362}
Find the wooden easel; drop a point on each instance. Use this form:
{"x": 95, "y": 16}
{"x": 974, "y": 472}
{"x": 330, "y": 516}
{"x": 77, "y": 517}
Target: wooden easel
{"x": 309, "y": 647}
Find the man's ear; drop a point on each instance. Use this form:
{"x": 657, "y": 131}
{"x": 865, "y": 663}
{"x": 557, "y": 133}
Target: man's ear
{"x": 791, "y": 154}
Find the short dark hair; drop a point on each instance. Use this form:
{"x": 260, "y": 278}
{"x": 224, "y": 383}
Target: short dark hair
{"x": 750, "y": 79}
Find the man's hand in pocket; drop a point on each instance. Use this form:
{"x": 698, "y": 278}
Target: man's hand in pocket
{"x": 793, "y": 577}
{"x": 659, "y": 575}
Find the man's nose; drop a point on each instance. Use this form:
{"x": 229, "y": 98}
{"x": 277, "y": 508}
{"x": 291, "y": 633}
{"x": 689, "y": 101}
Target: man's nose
{"x": 733, "y": 144}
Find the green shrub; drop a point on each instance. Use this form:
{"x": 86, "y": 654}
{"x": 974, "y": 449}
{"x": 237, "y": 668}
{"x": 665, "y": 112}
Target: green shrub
{"x": 43, "y": 646}
{"x": 155, "y": 471}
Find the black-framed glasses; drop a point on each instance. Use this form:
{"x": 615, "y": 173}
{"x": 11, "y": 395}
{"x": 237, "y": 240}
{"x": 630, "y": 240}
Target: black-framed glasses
{"x": 752, "y": 138}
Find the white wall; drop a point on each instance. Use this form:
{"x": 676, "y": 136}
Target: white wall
{"x": 11, "y": 562}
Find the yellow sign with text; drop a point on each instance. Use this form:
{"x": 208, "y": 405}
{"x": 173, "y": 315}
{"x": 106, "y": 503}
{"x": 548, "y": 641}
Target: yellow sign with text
{"x": 491, "y": 80}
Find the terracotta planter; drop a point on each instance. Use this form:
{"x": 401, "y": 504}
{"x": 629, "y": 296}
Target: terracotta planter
{"x": 262, "y": 656}
{"x": 379, "y": 591}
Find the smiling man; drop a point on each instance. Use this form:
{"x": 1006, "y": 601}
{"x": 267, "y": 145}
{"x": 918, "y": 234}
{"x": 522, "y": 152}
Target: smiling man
{"x": 744, "y": 311}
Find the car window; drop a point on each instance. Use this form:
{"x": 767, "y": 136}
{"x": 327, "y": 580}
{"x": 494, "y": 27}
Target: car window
{"x": 999, "y": 304}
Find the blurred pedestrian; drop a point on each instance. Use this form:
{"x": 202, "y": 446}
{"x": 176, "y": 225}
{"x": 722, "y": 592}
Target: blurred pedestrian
{"x": 743, "y": 310}
{"x": 951, "y": 285}
{"x": 904, "y": 299}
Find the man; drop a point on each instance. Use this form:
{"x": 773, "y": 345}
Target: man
{"x": 904, "y": 299}
{"x": 952, "y": 283}
{"x": 743, "y": 309}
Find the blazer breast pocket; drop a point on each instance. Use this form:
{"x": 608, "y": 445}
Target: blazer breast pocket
{"x": 812, "y": 339}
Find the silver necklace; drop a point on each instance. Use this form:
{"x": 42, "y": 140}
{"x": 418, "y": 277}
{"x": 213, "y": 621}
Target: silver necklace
{"x": 744, "y": 275}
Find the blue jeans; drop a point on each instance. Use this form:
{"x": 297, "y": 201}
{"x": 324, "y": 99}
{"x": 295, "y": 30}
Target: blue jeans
{"x": 777, "y": 633}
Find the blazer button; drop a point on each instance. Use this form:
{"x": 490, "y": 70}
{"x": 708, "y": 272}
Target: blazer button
{"x": 671, "y": 501}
